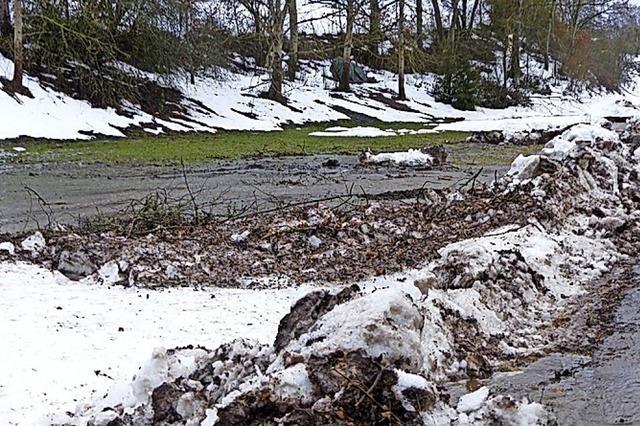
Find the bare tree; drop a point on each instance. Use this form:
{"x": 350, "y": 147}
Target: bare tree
{"x": 515, "y": 44}
{"x": 18, "y": 50}
{"x": 293, "y": 39}
{"x": 401, "y": 46}
{"x": 5, "y": 19}
{"x": 420, "y": 22}
{"x": 375, "y": 29}
{"x": 277, "y": 14}
{"x": 547, "y": 47}
{"x": 270, "y": 16}
{"x": 344, "y": 86}
{"x": 437, "y": 18}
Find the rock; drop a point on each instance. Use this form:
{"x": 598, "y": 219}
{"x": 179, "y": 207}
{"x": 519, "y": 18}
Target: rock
{"x": 426, "y": 283}
{"x": 331, "y": 163}
{"x": 493, "y": 137}
{"x": 439, "y": 154}
{"x": 314, "y": 241}
{"x": 76, "y": 265}
{"x": 612, "y": 223}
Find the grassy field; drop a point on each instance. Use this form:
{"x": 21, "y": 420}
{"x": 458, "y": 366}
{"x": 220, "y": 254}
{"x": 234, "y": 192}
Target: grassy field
{"x": 143, "y": 148}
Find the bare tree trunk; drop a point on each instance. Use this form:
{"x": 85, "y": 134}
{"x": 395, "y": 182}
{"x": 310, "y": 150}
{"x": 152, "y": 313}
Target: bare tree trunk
{"x": 18, "y": 52}
{"x": 375, "y": 32}
{"x": 474, "y": 12}
{"x": 437, "y": 17}
{"x": 505, "y": 68}
{"x": 276, "y": 35}
{"x": 455, "y": 19}
{"x": 293, "y": 39}
{"x": 401, "y": 89}
{"x": 463, "y": 15}
{"x": 5, "y": 19}
{"x": 419, "y": 22}
{"x": 343, "y": 86}
{"x": 516, "y": 70}
{"x": 547, "y": 47}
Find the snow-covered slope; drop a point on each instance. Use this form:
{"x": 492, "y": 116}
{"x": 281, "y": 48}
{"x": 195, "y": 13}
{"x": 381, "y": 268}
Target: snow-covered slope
{"x": 229, "y": 101}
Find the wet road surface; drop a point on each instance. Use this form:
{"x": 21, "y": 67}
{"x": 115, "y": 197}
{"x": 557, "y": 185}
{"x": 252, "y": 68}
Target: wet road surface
{"x": 71, "y": 190}
{"x": 600, "y": 390}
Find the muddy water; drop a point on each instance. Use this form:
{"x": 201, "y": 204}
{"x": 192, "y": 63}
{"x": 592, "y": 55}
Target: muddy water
{"x": 74, "y": 189}
{"x": 600, "y": 390}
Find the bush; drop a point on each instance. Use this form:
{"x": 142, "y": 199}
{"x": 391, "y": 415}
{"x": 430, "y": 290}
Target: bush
{"x": 494, "y": 95}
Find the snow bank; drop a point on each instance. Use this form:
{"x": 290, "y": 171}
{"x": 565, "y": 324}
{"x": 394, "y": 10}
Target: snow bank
{"x": 561, "y": 146}
{"x": 51, "y": 114}
{"x": 67, "y": 341}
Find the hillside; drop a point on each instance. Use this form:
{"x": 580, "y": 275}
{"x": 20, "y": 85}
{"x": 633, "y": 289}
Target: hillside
{"x": 230, "y": 101}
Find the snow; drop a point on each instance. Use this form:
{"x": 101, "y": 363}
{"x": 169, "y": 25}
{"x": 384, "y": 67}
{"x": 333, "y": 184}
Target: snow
{"x": 558, "y": 148}
{"x": 368, "y": 322}
{"x": 473, "y": 401}
{"x": 8, "y": 247}
{"x": 369, "y": 132}
{"x": 211, "y": 419}
{"x": 51, "y": 114}
{"x": 34, "y": 243}
{"x": 523, "y": 166}
{"x": 294, "y": 382}
{"x": 230, "y": 102}
{"x": 412, "y": 158}
{"x": 238, "y": 238}
{"x": 315, "y": 242}
{"x": 355, "y": 132}
{"x": 529, "y": 414}
{"x": 408, "y": 380}
{"x": 62, "y": 340}
{"x": 109, "y": 273}
{"x": 561, "y": 146}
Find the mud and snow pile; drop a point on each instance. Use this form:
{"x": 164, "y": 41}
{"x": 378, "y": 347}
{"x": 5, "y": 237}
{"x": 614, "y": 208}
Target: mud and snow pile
{"x": 426, "y": 158}
{"x": 380, "y": 354}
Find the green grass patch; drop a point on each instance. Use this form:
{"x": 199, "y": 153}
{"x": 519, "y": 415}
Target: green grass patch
{"x": 468, "y": 154}
{"x": 143, "y": 148}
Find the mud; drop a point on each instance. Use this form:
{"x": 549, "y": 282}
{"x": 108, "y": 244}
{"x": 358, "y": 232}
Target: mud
{"x": 600, "y": 389}
{"x": 32, "y": 195}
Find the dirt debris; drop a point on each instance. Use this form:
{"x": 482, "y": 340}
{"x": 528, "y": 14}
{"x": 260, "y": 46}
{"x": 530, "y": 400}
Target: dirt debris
{"x": 315, "y": 243}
